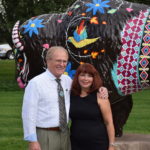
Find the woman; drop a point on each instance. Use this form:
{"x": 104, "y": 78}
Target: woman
{"x": 92, "y": 125}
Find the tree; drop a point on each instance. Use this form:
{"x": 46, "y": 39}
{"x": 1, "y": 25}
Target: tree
{"x": 13, "y": 10}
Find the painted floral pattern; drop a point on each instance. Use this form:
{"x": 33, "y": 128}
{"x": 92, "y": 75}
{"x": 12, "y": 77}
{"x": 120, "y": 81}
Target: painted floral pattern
{"x": 97, "y": 5}
{"x": 32, "y": 26}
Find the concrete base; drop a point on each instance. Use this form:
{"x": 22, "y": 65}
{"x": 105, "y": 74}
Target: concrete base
{"x": 133, "y": 142}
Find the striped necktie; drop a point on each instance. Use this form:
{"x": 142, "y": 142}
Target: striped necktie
{"x": 62, "y": 109}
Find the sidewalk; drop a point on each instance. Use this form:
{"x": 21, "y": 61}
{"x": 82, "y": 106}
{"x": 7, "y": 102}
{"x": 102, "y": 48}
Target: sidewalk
{"x": 133, "y": 142}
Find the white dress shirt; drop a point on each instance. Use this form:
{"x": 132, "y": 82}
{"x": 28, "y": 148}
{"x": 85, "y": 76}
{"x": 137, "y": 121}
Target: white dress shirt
{"x": 40, "y": 103}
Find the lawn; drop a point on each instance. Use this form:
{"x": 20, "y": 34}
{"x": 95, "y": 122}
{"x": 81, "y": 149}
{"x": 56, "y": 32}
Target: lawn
{"x": 139, "y": 119}
{"x": 7, "y": 76}
{"x": 11, "y": 134}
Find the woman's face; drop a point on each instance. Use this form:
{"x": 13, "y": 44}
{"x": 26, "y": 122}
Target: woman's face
{"x": 85, "y": 80}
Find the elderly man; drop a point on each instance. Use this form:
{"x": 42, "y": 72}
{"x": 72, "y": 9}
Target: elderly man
{"x": 46, "y": 105}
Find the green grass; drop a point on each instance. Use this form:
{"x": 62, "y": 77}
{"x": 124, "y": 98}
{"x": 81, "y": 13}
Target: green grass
{"x": 11, "y": 132}
{"x": 139, "y": 119}
{"x": 7, "y": 68}
{"x": 7, "y": 76}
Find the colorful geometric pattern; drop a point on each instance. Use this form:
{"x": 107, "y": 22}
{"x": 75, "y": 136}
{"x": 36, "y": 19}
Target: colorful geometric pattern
{"x": 127, "y": 72}
{"x": 144, "y": 61}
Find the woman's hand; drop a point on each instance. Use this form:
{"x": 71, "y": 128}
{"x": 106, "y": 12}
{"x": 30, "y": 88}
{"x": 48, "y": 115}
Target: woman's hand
{"x": 111, "y": 148}
{"x": 102, "y": 93}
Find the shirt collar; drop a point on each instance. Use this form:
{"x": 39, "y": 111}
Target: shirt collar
{"x": 52, "y": 77}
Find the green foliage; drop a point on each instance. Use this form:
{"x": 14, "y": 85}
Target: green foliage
{"x": 24, "y": 9}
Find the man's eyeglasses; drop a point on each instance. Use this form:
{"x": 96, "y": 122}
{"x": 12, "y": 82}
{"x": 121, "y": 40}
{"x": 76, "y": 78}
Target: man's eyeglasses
{"x": 60, "y": 61}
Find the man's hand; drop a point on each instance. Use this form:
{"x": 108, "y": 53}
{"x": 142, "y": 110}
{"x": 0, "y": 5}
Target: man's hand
{"x": 34, "y": 146}
{"x": 102, "y": 93}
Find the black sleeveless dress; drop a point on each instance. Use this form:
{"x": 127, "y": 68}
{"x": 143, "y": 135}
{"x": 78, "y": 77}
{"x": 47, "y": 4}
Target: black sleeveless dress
{"x": 88, "y": 131}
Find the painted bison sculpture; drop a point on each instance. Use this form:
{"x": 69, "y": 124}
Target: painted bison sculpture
{"x": 113, "y": 35}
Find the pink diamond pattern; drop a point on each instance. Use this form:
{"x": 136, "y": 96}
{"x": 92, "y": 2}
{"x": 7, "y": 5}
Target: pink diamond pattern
{"x": 128, "y": 61}
{"x": 145, "y": 50}
{"x": 147, "y": 38}
{"x": 148, "y": 26}
{"x": 144, "y": 75}
{"x": 144, "y": 62}
{"x": 145, "y": 85}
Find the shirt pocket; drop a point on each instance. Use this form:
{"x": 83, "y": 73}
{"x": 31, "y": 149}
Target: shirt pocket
{"x": 49, "y": 95}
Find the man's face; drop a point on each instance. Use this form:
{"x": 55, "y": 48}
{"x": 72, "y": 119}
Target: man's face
{"x": 57, "y": 64}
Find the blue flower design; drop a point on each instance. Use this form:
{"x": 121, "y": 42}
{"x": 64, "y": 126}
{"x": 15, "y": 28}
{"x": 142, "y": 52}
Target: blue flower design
{"x": 32, "y": 26}
{"x": 68, "y": 70}
{"x": 97, "y": 5}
